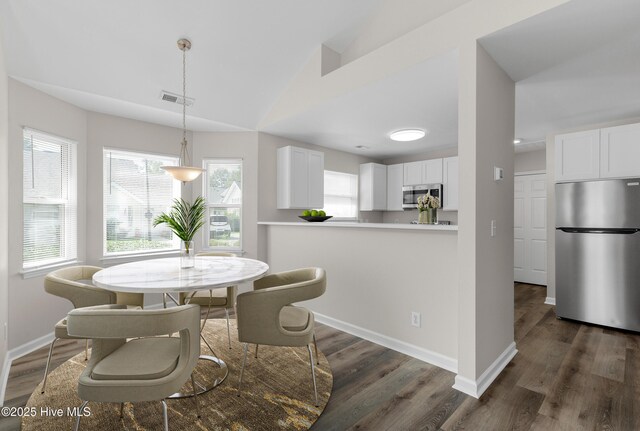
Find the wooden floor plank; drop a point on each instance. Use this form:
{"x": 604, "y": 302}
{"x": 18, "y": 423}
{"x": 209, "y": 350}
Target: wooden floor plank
{"x": 567, "y": 376}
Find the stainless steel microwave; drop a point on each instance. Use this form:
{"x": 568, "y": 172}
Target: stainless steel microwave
{"x": 410, "y": 194}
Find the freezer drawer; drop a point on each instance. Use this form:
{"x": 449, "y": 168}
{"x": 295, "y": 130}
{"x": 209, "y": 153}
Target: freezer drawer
{"x": 598, "y": 277}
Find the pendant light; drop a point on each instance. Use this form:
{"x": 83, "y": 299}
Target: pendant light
{"x": 183, "y": 172}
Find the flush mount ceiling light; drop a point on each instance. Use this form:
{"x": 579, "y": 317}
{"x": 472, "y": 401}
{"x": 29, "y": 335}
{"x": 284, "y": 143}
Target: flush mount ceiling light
{"x": 516, "y": 141}
{"x": 183, "y": 172}
{"x": 407, "y": 135}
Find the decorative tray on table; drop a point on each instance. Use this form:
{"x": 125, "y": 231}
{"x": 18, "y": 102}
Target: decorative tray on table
{"x": 315, "y": 219}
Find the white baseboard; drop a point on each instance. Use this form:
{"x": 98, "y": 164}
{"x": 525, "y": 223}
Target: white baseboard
{"x": 4, "y": 376}
{"x": 18, "y": 352}
{"x": 476, "y": 388}
{"x": 550, "y": 301}
{"x": 426, "y": 355}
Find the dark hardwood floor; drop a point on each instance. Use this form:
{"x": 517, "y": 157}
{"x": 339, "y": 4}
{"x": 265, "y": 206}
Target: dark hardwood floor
{"x": 566, "y": 376}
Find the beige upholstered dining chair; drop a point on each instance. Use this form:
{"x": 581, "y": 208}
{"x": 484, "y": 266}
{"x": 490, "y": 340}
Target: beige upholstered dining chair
{"x": 266, "y": 316}
{"x": 142, "y": 369}
{"x": 214, "y": 298}
{"x": 75, "y": 284}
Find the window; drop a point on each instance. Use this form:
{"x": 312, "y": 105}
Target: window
{"x": 136, "y": 190}
{"x": 223, "y": 190}
{"x": 49, "y": 200}
{"x": 341, "y": 195}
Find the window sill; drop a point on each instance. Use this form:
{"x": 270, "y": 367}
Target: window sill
{"x": 126, "y": 258}
{"x": 39, "y": 271}
{"x": 235, "y": 251}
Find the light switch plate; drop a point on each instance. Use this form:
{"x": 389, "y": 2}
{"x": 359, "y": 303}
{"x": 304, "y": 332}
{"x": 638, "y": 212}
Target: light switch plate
{"x": 498, "y": 173}
{"x": 493, "y": 228}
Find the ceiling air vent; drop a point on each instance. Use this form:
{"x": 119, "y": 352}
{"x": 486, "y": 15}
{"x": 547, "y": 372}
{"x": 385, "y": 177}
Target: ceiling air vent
{"x": 175, "y": 98}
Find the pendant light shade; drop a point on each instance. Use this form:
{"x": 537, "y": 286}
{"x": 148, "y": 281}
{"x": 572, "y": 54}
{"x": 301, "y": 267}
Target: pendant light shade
{"x": 183, "y": 172}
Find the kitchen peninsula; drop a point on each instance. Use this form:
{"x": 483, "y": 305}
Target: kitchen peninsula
{"x": 394, "y": 284}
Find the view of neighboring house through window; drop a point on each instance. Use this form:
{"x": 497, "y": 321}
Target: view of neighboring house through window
{"x": 223, "y": 190}
{"x": 341, "y": 195}
{"x": 49, "y": 200}
{"x": 136, "y": 191}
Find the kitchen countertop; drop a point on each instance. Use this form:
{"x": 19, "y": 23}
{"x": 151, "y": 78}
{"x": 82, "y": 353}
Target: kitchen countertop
{"x": 342, "y": 224}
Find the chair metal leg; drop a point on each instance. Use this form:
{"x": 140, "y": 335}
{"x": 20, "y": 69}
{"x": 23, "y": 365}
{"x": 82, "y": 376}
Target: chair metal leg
{"x": 195, "y": 395}
{"x": 86, "y": 349}
{"x": 244, "y": 360}
{"x": 226, "y": 310}
{"x": 121, "y": 410}
{"x": 313, "y": 374}
{"x": 164, "y": 300}
{"x": 80, "y": 412}
{"x": 165, "y": 416}
{"x": 315, "y": 345}
{"x": 256, "y": 355}
{"x": 46, "y": 370}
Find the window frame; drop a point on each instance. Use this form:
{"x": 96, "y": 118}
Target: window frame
{"x": 357, "y": 197}
{"x": 177, "y": 193}
{"x": 205, "y": 194}
{"x": 69, "y": 224}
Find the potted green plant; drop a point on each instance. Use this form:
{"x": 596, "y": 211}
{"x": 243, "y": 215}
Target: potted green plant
{"x": 428, "y": 207}
{"x": 184, "y": 220}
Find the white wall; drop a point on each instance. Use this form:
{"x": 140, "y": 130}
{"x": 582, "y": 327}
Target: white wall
{"x": 486, "y": 125}
{"x": 4, "y": 205}
{"x": 377, "y": 277}
{"x": 530, "y": 161}
{"x": 33, "y": 312}
{"x": 393, "y": 19}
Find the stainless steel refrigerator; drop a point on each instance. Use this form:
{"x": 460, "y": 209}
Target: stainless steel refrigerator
{"x": 598, "y": 252}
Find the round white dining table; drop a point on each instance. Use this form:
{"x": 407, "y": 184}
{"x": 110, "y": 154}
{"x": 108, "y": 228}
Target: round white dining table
{"x": 166, "y": 276}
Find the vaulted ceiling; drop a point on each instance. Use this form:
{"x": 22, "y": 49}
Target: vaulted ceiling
{"x": 576, "y": 64}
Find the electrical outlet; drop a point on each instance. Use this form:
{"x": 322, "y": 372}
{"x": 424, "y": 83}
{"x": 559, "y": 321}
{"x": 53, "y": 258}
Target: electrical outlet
{"x": 415, "y": 319}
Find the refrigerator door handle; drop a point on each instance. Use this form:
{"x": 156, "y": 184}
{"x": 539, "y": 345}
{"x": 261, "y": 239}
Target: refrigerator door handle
{"x": 620, "y": 231}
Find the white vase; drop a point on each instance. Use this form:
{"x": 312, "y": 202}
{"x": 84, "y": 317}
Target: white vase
{"x": 187, "y": 254}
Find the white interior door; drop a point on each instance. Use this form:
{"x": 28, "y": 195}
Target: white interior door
{"x": 530, "y": 229}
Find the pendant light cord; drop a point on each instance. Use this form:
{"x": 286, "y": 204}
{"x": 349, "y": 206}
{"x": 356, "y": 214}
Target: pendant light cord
{"x": 184, "y": 154}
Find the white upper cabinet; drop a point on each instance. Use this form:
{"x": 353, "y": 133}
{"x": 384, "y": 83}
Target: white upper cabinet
{"x": 578, "y": 156}
{"x": 620, "y": 151}
{"x": 413, "y": 173}
{"x": 423, "y": 172}
{"x": 450, "y": 183}
{"x": 373, "y": 187}
{"x": 300, "y": 178}
{"x": 432, "y": 171}
{"x": 316, "y": 179}
{"x": 395, "y": 175}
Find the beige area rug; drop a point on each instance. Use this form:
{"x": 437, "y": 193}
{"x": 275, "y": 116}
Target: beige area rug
{"x": 277, "y": 393}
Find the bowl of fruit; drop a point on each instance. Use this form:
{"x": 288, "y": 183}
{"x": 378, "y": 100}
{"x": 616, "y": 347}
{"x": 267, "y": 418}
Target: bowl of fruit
{"x": 314, "y": 216}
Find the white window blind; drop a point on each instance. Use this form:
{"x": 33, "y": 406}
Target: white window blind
{"x": 136, "y": 191}
{"x": 223, "y": 192}
{"x": 341, "y": 195}
{"x": 49, "y": 197}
